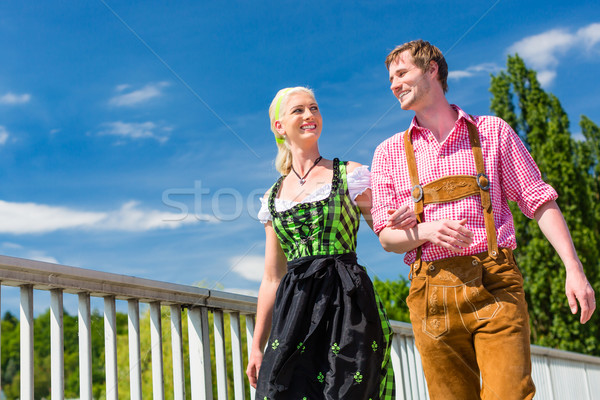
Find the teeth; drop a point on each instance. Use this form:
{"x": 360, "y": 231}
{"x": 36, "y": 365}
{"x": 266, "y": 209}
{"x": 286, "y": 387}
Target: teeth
{"x": 309, "y": 127}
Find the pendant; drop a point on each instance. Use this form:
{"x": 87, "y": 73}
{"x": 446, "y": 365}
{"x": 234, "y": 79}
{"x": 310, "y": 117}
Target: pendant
{"x": 302, "y": 181}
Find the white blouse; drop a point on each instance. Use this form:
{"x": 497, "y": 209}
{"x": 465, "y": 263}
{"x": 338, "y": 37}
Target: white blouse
{"x": 359, "y": 180}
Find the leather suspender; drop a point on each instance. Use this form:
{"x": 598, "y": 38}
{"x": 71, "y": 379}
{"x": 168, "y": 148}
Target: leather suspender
{"x": 484, "y": 187}
{"x": 453, "y": 187}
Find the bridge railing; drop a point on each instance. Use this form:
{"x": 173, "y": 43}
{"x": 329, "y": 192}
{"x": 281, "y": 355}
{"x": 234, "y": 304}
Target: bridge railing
{"x": 214, "y": 358}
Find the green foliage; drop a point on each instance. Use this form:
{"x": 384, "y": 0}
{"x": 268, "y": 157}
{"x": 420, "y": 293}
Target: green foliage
{"x": 41, "y": 349}
{"x": 572, "y": 168}
{"x": 393, "y": 296}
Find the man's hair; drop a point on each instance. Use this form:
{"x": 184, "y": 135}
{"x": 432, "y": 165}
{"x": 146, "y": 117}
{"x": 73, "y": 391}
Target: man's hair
{"x": 422, "y": 53}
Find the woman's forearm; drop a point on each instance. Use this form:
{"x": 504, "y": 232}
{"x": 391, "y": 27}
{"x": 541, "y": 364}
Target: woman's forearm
{"x": 400, "y": 240}
{"x": 264, "y": 314}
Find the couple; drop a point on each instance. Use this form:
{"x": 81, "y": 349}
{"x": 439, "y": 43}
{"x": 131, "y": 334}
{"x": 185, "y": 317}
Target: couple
{"x": 439, "y": 192}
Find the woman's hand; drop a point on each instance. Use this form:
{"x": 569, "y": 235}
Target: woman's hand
{"x": 402, "y": 218}
{"x": 254, "y": 363}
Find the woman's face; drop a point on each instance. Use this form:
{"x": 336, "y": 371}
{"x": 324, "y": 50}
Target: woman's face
{"x": 301, "y": 120}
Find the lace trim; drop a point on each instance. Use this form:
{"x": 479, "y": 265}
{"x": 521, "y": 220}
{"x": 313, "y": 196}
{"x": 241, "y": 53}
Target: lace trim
{"x": 359, "y": 180}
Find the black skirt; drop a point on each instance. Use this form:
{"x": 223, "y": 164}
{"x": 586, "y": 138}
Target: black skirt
{"x": 327, "y": 340}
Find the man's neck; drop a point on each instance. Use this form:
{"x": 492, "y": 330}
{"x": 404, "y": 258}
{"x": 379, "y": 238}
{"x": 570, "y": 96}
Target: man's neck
{"x": 439, "y": 118}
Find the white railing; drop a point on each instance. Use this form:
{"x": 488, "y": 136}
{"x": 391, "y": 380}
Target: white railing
{"x": 558, "y": 374}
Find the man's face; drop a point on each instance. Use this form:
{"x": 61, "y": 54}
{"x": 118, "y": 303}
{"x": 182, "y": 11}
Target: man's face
{"x": 409, "y": 83}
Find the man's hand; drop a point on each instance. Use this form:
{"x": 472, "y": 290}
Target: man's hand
{"x": 578, "y": 289}
{"x": 449, "y": 234}
{"x": 402, "y": 218}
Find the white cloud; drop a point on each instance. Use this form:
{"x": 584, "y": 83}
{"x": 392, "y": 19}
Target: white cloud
{"x": 16, "y": 250}
{"x": 130, "y": 218}
{"x": 590, "y": 34}
{"x": 11, "y": 98}
{"x": 486, "y": 68}
{"x": 150, "y": 91}
{"x": 459, "y": 74}
{"x": 137, "y": 130}
{"x": 546, "y": 77}
{"x": 249, "y": 267}
{"x": 3, "y": 135}
{"x": 245, "y": 292}
{"x": 122, "y": 87}
{"x": 578, "y": 136}
{"x": 543, "y": 52}
{"x": 27, "y": 218}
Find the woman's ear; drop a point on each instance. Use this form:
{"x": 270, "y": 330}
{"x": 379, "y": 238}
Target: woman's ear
{"x": 279, "y": 128}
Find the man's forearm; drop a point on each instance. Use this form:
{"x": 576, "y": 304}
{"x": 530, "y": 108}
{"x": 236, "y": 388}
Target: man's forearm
{"x": 449, "y": 234}
{"x": 554, "y": 227}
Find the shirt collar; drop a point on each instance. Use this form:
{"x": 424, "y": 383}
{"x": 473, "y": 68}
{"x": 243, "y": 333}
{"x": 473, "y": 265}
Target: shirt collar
{"x": 416, "y": 128}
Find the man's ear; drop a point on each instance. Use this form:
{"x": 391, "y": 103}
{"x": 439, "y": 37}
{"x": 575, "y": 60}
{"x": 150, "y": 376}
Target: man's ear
{"x": 433, "y": 68}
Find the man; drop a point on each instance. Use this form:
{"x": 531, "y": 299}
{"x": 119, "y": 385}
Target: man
{"x": 457, "y": 172}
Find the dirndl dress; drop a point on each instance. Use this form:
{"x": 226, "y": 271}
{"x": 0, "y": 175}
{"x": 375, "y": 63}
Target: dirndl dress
{"x": 330, "y": 337}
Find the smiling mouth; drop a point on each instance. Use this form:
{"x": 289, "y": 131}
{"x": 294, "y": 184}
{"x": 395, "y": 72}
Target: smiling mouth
{"x": 312, "y": 126}
{"x": 402, "y": 94}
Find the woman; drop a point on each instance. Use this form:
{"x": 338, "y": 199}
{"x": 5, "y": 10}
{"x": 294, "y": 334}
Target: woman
{"x": 329, "y": 335}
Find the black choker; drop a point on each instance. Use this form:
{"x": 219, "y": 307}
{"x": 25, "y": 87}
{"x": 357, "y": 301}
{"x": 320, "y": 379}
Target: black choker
{"x": 302, "y": 180}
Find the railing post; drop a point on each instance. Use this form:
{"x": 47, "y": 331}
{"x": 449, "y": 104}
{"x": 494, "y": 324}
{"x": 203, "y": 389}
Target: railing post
{"x": 249, "y": 337}
{"x": 57, "y": 348}
{"x": 200, "y": 366}
{"x": 412, "y": 367}
{"x": 26, "y": 326}
{"x": 158, "y": 387}
{"x": 397, "y": 365}
{"x": 85, "y": 347}
{"x": 220, "y": 360}
{"x": 110, "y": 348}
{"x": 135, "y": 370}
{"x": 236, "y": 356}
{"x": 177, "y": 351}
{"x": 0, "y": 330}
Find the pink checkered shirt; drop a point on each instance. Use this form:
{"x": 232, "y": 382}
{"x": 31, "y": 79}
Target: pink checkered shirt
{"x": 512, "y": 172}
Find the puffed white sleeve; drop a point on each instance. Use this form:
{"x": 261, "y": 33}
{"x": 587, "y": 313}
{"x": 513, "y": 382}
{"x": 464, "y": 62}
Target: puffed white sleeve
{"x": 264, "y": 215}
{"x": 359, "y": 180}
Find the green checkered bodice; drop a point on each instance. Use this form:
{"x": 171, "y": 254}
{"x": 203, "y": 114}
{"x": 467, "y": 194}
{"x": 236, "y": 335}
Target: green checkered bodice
{"x": 321, "y": 227}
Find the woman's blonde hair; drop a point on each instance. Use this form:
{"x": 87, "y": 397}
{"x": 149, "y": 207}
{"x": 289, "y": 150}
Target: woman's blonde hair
{"x": 283, "y": 161}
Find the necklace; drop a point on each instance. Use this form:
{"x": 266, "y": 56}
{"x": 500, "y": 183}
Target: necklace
{"x": 302, "y": 180}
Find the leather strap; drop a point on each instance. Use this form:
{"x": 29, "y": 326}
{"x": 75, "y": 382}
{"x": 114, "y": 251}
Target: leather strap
{"x": 484, "y": 186}
{"x": 414, "y": 176}
{"x": 452, "y": 188}
{"x": 411, "y": 163}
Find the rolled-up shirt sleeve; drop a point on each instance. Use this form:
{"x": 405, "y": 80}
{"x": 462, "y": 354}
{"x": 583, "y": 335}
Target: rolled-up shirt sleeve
{"x": 382, "y": 187}
{"x": 521, "y": 177}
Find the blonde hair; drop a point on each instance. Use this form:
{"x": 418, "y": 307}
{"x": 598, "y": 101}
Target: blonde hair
{"x": 283, "y": 160}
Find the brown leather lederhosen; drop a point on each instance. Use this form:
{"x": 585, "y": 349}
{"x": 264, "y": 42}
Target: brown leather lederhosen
{"x": 452, "y": 188}
{"x": 469, "y": 313}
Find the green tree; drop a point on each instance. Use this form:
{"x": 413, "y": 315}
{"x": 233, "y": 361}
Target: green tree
{"x": 393, "y": 296}
{"x": 572, "y": 168}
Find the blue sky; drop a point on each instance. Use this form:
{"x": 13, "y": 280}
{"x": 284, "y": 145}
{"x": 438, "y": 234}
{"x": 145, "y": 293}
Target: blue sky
{"x": 134, "y": 136}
